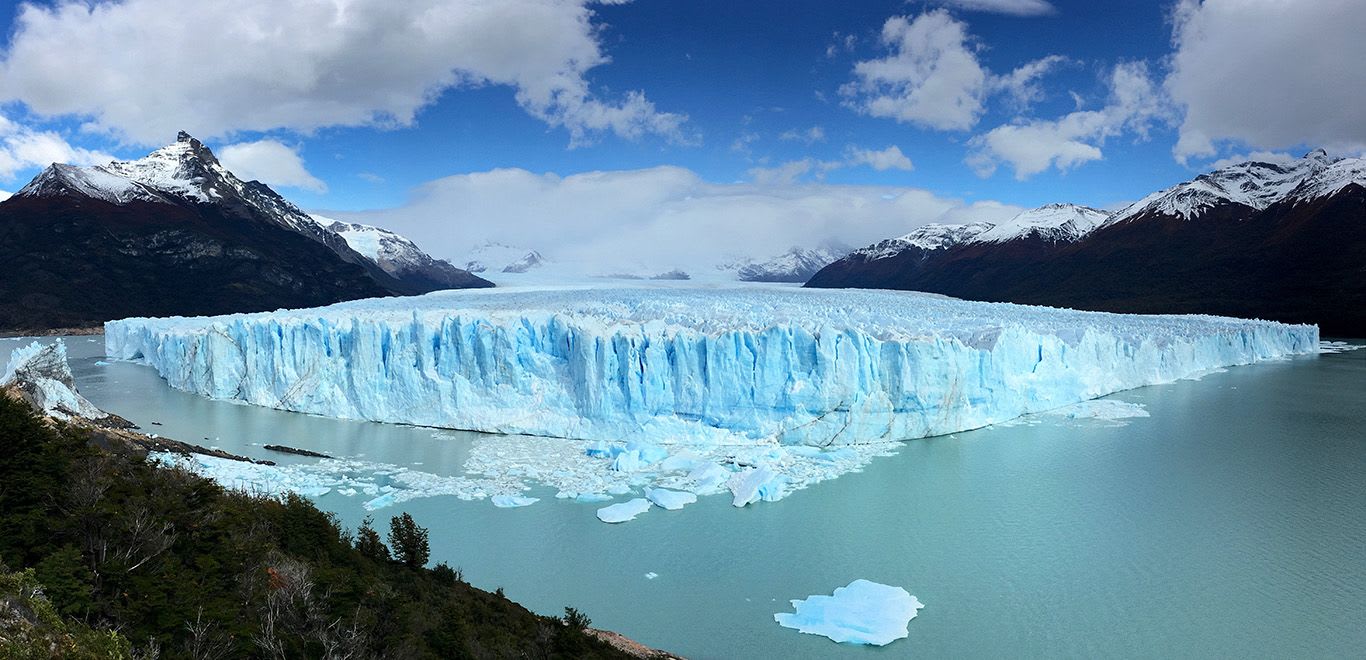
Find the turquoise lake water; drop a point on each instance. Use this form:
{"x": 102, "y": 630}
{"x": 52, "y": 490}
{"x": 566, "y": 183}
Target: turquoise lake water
{"x": 1229, "y": 523}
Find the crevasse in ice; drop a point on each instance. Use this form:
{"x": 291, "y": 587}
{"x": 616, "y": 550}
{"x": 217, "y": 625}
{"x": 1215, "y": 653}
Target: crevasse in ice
{"x": 730, "y": 365}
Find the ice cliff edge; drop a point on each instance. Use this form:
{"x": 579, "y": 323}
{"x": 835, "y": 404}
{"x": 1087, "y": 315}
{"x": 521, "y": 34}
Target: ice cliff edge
{"x": 730, "y": 365}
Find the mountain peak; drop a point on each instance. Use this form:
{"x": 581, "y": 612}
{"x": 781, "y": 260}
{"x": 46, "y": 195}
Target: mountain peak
{"x": 183, "y": 137}
{"x": 1317, "y": 154}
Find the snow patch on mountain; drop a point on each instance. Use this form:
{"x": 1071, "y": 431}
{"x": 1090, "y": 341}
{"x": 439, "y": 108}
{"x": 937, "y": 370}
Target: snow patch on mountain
{"x": 95, "y": 181}
{"x": 796, "y": 265}
{"x": 495, "y": 257}
{"x": 1254, "y": 184}
{"x": 1052, "y": 222}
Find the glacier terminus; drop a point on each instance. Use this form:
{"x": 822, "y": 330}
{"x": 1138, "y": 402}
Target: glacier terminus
{"x": 731, "y": 365}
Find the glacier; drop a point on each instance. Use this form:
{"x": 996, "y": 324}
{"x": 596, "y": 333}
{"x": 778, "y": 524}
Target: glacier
{"x": 700, "y": 366}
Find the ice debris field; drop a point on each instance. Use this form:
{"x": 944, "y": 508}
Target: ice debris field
{"x": 661, "y": 395}
{"x": 862, "y": 613}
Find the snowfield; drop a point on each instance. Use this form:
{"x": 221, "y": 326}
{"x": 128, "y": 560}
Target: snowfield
{"x": 730, "y": 365}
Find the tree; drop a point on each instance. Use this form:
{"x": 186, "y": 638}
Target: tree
{"x": 368, "y": 542}
{"x": 575, "y": 619}
{"x": 409, "y": 541}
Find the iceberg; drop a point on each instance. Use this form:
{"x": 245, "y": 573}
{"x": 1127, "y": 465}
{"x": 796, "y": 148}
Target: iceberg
{"x": 743, "y": 365}
{"x": 862, "y": 613}
{"x": 671, "y": 500}
{"x": 619, "y": 513}
{"x": 513, "y": 501}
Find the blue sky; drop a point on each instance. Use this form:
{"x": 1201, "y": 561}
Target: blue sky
{"x": 378, "y": 107}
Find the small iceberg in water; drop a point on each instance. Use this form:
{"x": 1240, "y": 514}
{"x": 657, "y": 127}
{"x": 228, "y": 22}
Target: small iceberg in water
{"x": 862, "y": 613}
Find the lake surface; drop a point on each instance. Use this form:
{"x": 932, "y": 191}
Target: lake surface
{"x": 1230, "y": 523}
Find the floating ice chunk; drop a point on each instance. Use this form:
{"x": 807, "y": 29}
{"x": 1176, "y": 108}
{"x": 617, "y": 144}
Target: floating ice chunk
{"x": 1107, "y": 409}
{"x": 862, "y": 613}
{"x": 618, "y": 513}
{"x": 651, "y": 575}
{"x": 1329, "y": 347}
{"x": 628, "y": 461}
{"x": 599, "y": 449}
{"x": 513, "y": 501}
{"x": 649, "y": 454}
{"x": 619, "y": 488}
{"x": 592, "y": 498}
{"x": 753, "y": 485}
{"x": 682, "y": 461}
{"x": 708, "y": 477}
{"x": 670, "y": 499}
{"x": 101, "y": 363}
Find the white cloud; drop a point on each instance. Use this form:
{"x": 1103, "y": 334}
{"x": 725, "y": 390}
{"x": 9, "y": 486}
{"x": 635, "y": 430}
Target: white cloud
{"x": 664, "y": 216}
{"x": 269, "y": 162}
{"x": 792, "y": 171}
{"x": 890, "y": 158}
{"x": 1022, "y": 84}
{"x": 1011, "y": 7}
{"x": 1269, "y": 74}
{"x": 23, "y": 148}
{"x": 5, "y": 194}
{"x": 1032, "y": 146}
{"x": 144, "y": 69}
{"x": 1273, "y": 157}
{"x": 931, "y": 77}
{"x": 809, "y": 136}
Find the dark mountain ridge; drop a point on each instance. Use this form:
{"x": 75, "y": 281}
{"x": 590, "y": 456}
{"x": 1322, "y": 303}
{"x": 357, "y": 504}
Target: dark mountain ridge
{"x": 173, "y": 233}
{"x": 1258, "y": 240}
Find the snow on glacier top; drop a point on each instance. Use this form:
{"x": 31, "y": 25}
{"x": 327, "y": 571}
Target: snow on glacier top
{"x": 719, "y": 308}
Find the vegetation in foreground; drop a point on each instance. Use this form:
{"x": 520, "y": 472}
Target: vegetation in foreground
{"x": 105, "y": 556}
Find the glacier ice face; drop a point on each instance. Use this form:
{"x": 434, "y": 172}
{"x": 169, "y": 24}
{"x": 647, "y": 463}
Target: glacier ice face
{"x": 698, "y": 366}
{"x": 864, "y": 612}
{"x": 42, "y": 375}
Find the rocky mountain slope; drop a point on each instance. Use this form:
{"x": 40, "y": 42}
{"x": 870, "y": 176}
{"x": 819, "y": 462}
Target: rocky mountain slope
{"x": 1282, "y": 241}
{"x": 400, "y": 257}
{"x": 173, "y": 233}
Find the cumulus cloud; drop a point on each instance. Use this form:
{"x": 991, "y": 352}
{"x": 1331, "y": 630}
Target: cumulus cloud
{"x": 930, "y": 78}
{"x": 1269, "y": 74}
{"x": 269, "y": 162}
{"x": 143, "y": 69}
{"x": 1011, "y": 7}
{"x": 5, "y": 194}
{"x": 665, "y": 217}
{"x": 1032, "y": 146}
{"x": 890, "y": 158}
{"x": 933, "y": 78}
{"x": 23, "y": 148}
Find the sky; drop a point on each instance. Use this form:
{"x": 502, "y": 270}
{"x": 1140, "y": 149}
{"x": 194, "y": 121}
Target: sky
{"x": 672, "y": 129}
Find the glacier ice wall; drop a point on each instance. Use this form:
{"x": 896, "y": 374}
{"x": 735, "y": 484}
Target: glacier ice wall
{"x": 701, "y": 365}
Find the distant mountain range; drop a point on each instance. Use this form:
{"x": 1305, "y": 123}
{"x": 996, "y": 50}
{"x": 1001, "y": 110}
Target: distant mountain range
{"x": 176, "y": 233}
{"x": 1276, "y": 241}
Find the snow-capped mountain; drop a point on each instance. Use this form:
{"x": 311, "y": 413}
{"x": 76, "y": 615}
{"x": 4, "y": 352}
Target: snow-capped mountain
{"x": 796, "y": 265}
{"x": 1285, "y": 241}
{"x": 1253, "y": 184}
{"x": 171, "y": 233}
{"x": 398, "y": 256}
{"x": 494, "y": 257}
{"x": 1052, "y": 222}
